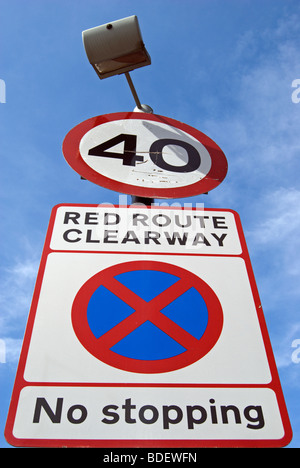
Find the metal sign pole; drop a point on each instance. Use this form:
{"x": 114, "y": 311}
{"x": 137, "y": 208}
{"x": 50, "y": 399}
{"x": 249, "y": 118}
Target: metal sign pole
{"x": 132, "y": 89}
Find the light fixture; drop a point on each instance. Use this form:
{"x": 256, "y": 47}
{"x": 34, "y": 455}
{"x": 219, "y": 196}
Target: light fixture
{"x": 115, "y": 48}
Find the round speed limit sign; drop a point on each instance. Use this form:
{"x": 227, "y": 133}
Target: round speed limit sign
{"x": 145, "y": 155}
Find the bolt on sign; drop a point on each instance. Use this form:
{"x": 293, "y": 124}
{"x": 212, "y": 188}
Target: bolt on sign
{"x": 146, "y": 330}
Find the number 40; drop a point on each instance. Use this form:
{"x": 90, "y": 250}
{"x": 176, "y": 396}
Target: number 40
{"x": 129, "y": 156}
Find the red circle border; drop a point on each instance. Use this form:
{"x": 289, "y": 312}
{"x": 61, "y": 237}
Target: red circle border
{"x": 89, "y": 341}
{"x": 215, "y": 176}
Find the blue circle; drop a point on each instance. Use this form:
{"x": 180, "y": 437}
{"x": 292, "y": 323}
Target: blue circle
{"x": 147, "y": 342}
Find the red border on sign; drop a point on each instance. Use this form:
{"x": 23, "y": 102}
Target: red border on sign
{"x": 100, "y": 348}
{"x": 215, "y": 176}
{"x": 21, "y": 383}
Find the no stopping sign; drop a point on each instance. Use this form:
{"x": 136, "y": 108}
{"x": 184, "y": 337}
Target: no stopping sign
{"x": 145, "y": 155}
{"x": 147, "y": 317}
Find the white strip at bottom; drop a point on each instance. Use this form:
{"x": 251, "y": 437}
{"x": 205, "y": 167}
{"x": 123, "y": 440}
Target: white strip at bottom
{"x": 147, "y": 413}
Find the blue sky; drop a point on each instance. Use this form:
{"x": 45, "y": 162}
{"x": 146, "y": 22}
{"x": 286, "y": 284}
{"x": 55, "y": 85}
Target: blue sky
{"x": 225, "y": 67}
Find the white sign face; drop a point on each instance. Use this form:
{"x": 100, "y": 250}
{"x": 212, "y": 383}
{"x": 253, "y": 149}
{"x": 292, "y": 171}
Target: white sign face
{"x": 165, "y": 231}
{"x": 178, "y": 148}
{"x": 146, "y": 155}
{"x": 146, "y": 328}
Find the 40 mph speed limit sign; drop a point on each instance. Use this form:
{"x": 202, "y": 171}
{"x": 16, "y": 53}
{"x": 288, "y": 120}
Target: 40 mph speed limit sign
{"x": 145, "y": 155}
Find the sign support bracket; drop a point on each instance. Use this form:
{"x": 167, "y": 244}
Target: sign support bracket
{"x": 132, "y": 89}
{"x": 143, "y": 200}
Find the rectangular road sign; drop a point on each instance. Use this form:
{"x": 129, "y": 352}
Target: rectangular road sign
{"x": 146, "y": 330}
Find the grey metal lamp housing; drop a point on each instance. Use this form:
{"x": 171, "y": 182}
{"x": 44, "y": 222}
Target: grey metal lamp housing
{"x": 116, "y": 47}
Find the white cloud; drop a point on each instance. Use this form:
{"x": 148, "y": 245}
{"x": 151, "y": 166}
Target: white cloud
{"x": 274, "y": 244}
{"x": 15, "y": 296}
{"x": 10, "y": 350}
{"x": 23, "y": 272}
{"x": 282, "y": 220}
{"x": 260, "y": 135}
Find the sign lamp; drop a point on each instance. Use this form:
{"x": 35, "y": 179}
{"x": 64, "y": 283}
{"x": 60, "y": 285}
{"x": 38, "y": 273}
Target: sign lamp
{"x": 115, "y": 48}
